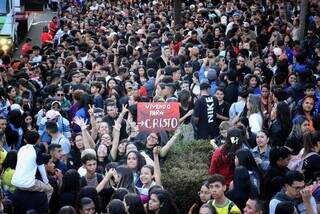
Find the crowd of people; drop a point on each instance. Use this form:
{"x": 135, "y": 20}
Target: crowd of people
{"x": 244, "y": 80}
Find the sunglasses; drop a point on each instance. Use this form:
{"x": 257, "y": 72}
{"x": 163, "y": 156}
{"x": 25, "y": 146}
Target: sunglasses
{"x": 60, "y": 95}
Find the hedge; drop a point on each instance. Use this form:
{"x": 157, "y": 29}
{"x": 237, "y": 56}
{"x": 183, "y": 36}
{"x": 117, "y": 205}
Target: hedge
{"x": 185, "y": 168}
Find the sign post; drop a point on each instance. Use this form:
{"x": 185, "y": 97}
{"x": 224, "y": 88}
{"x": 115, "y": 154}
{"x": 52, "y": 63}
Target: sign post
{"x": 155, "y": 117}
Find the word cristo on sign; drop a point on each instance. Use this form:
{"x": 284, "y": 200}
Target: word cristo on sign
{"x": 158, "y": 116}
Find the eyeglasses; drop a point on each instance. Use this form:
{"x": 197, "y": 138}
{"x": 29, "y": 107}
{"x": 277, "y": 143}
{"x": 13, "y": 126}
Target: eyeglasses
{"x": 60, "y": 95}
{"x": 298, "y": 188}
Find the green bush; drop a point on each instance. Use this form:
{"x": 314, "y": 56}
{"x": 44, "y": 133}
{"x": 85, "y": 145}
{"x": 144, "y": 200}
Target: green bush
{"x": 185, "y": 168}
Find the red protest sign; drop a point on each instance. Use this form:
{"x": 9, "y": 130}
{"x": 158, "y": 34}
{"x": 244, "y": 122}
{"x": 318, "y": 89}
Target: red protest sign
{"x": 158, "y": 116}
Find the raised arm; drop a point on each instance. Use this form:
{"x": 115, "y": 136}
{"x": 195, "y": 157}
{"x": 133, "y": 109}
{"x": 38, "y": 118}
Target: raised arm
{"x": 94, "y": 127}
{"x": 105, "y": 180}
{"x": 164, "y": 150}
{"x": 88, "y": 142}
{"x": 116, "y": 133}
{"x": 156, "y": 165}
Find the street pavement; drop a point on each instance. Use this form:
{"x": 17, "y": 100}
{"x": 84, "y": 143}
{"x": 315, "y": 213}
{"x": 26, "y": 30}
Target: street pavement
{"x": 40, "y": 20}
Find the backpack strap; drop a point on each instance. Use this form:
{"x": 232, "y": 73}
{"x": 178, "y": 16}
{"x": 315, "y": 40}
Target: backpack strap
{"x": 231, "y": 204}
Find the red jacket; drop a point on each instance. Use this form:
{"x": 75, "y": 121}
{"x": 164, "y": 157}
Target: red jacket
{"x": 224, "y": 169}
{"x": 46, "y": 37}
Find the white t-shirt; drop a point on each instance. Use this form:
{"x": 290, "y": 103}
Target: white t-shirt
{"x": 25, "y": 173}
{"x": 255, "y": 122}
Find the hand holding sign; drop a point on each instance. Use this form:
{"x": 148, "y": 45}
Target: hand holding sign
{"x": 158, "y": 116}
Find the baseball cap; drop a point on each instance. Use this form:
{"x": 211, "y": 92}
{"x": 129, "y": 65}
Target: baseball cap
{"x": 204, "y": 85}
{"x": 52, "y": 114}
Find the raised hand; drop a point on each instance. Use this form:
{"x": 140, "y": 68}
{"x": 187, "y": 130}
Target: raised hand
{"x": 80, "y": 122}
{"x": 91, "y": 110}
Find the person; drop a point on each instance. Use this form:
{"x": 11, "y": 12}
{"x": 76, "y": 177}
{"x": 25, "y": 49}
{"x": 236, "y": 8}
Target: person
{"x": 70, "y": 188}
{"x": 254, "y": 206}
{"x": 310, "y": 156}
{"x": 261, "y": 152}
{"x": 55, "y": 152}
{"x": 207, "y": 209}
{"x": 29, "y": 159}
{"x": 86, "y": 206}
{"x": 286, "y": 207}
{"x": 26, "y": 47}
{"x": 7, "y": 171}
{"x": 204, "y": 114}
{"x": 133, "y": 204}
{"x": 280, "y": 127}
{"x": 161, "y": 202}
{"x": 295, "y": 189}
{"x": 244, "y": 157}
{"x": 242, "y": 188}
{"x": 58, "y": 138}
{"x": 91, "y": 178}
{"x": 275, "y": 174}
{"x": 254, "y": 113}
{"x": 220, "y": 202}
{"x": 67, "y": 210}
{"x": 204, "y": 197}
{"x": 222, "y": 160}
{"x": 116, "y": 206}
{"x": 295, "y": 140}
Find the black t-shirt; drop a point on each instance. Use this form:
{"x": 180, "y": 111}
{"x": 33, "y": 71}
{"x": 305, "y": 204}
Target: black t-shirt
{"x": 27, "y": 200}
{"x": 206, "y": 110}
{"x": 223, "y": 110}
{"x": 111, "y": 122}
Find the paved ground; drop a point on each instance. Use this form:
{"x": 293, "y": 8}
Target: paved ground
{"x": 40, "y": 20}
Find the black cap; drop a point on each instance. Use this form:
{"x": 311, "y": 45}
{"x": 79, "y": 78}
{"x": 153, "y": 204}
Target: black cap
{"x": 204, "y": 85}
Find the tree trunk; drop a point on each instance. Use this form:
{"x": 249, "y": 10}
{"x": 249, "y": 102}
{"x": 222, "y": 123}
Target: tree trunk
{"x": 177, "y": 12}
{"x": 302, "y": 19}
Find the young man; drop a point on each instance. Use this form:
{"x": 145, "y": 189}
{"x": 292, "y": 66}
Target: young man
{"x": 57, "y": 137}
{"x": 205, "y": 112}
{"x": 220, "y": 202}
{"x": 254, "y": 206}
{"x": 55, "y": 151}
{"x": 112, "y": 115}
{"x": 28, "y": 161}
{"x": 95, "y": 91}
{"x": 91, "y": 178}
{"x": 295, "y": 192}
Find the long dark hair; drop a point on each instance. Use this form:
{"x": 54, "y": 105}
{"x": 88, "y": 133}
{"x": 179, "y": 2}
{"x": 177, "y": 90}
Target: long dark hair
{"x": 234, "y": 141}
{"x": 134, "y": 203}
{"x": 246, "y": 159}
{"x": 284, "y": 117}
{"x": 140, "y": 159}
{"x": 167, "y": 206}
{"x": 85, "y": 101}
{"x": 126, "y": 180}
{"x": 70, "y": 182}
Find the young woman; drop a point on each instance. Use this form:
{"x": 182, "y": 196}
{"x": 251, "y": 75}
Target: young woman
{"x": 266, "y": 101}
{"x": 223, "y": 107}
{"x": 207, "y": 209}
{"x": 150, "y": 176}
{"x": 85, "y": 102}
{"x": 295, "y": 140}
{"x": 254, "y": 113}
{"x": 273, "y": 178}
{"x": 133, "y": 204}
{"x": 310, "y": 156}
{"x": 135, "y": 162}
{"x": 161, "y": 203}
{"x": 281, "y": 127}
{"x": 222, "y": 161}
{"x": 261, "y": 152}
{"x": 120, "y": 177}
{"x": 242, "y": 188}
{"x": 204, "y": 195}
{"x": 75, "y": 154}
{"x": 28, "y": 123}
{"x": 70, "y": 188}
{"x": 245, "y": 158}
{"x": 252, "y": 82}
{"x": 307, "y": 109}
